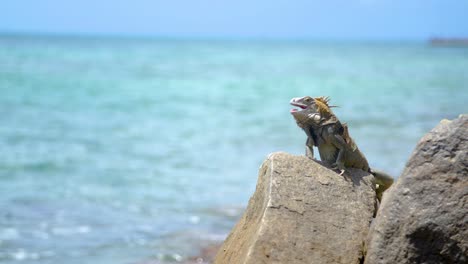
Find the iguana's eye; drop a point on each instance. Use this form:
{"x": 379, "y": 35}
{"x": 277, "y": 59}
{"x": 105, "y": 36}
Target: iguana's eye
{"x": 307, "y": 99}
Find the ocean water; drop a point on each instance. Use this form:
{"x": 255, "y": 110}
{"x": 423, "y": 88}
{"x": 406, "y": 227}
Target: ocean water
{"x": 147, "y": 150}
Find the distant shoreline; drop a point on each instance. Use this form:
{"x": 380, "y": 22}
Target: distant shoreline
{"x": 449, "y": 42}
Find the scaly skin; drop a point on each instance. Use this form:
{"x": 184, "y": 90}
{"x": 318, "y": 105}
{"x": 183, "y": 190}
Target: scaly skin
{"x": 303, "y": 119}
{"x": 336, "y": 148}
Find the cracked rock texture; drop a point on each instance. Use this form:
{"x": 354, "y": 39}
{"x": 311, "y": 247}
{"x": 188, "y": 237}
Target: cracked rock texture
{"x": 302, "y": 212}
{"x": 423, "y": 218}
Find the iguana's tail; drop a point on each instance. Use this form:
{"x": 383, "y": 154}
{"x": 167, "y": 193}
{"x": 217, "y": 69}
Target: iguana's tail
{"x": 383, "y": 180}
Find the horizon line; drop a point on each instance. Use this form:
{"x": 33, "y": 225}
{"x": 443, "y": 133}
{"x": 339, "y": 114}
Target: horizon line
{"x": 213, "y": 37}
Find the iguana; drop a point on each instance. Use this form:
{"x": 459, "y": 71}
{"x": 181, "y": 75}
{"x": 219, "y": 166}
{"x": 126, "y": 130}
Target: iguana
{"x": 336, "y": 148}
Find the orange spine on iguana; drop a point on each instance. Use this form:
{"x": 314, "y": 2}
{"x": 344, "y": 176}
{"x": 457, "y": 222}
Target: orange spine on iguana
{"x": 325, "y": 131}
{"x": 323, "y": 107}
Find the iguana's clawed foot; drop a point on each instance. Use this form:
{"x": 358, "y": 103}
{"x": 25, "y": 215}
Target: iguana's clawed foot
{"x": 339, "y": 167}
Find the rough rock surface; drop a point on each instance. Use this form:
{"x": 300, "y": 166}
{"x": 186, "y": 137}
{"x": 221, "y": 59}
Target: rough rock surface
{"x": 424, "y": 217}
{"x": 302, "y": 212}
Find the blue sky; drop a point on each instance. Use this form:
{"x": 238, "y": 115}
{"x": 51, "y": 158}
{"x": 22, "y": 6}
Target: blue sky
{"x": 332, "y": 19}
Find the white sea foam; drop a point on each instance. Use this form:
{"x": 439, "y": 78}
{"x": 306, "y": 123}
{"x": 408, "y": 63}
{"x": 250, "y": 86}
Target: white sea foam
{"x": 66, "y": 231}
{"x": 22, "y": 254}
{"x": 9, "y": 234}
{"x": 194, "y": 219}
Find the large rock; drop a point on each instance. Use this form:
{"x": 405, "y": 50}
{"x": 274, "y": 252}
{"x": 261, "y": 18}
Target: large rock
{"x": 424, "y": 217}
{"x": 302, "y": 212}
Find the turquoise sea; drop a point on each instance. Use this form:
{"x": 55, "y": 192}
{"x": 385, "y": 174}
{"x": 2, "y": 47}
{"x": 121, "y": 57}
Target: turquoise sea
{"x": 120, "y": 150}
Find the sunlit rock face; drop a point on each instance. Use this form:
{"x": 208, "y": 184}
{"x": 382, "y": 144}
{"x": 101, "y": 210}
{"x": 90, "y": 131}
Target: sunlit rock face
{"x": 303, "y": 212}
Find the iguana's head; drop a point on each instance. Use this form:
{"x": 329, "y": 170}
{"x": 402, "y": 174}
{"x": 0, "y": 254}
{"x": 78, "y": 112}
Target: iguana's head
{"x": 308, "y": 111}
{"x": 310, "y": 106}
{"x": 302, "y": 102}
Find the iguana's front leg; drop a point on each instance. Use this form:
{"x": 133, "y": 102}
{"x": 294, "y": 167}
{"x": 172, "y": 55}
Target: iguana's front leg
{"x": 310, "y": 147}
{"x": 310, "y": 142}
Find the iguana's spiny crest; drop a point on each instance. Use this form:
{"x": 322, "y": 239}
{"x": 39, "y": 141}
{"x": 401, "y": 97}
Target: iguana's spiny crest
{"x": 322, "y": 106}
